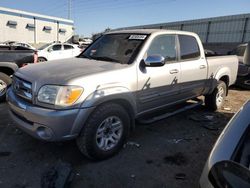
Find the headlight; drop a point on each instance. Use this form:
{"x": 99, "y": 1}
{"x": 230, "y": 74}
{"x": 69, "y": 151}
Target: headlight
{"x": 59, "y": 95}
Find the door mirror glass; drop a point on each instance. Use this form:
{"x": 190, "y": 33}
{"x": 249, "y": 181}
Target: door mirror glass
{"x": 154, "y": 61}
{"x": 229, "y": 174}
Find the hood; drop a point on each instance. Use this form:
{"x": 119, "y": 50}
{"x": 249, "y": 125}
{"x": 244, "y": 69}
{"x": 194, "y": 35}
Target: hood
{"x": 61, "y": 71}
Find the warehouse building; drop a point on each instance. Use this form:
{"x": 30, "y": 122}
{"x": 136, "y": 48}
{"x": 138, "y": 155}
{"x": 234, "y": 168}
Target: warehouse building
{"x": 33, "y": 28}
{"x": 217, "y": 33}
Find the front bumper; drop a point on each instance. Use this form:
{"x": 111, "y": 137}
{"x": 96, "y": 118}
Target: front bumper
{"x": 46, "y": 124}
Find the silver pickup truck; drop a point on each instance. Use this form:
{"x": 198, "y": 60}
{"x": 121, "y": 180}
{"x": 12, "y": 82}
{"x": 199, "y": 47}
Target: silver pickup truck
{"x": 123, "y": 75}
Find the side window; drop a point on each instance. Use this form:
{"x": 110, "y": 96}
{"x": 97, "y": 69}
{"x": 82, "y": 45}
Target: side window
{"x": 189, "y": 48}
{"x": 165, "y": 46}
{"x": 57, "y": 47}
{"x": 68, "y": 47}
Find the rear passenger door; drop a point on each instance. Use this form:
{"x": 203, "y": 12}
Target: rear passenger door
{"x": 193, "y": 67}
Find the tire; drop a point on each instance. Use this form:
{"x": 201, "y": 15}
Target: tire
{"x": 216, "y": 99}
{"x": 106, "y": 121}
{"x": 5, "y": 82}
{"x": 41, "y": 59}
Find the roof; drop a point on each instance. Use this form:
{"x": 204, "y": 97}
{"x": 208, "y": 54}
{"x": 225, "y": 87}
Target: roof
{"x": 147, "y": 31}
{"x": 32, "y": 15}
{"x": 201, "y": 20}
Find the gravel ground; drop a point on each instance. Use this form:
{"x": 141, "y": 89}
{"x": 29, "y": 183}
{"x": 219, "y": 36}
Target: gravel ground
{"x": 169, "y": 153}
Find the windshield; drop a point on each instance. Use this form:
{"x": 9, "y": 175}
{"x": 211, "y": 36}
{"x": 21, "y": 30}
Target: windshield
{"x": 44, "y": 46}
{"x": 119, "y": 48}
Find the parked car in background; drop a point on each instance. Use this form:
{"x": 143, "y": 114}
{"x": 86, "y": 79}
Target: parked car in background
{"x": 55, "y": 51}
{"x": 12, "y": 58}
{"x": 86, "y": 41}
{"x": 15, "y": 43}
{"x": 243, "y": 53}
{"x": 96, "y": 97}
{"x": 27, "y": 45}
{"x": 8, "y": 42}
{"x": 229, "y": 162}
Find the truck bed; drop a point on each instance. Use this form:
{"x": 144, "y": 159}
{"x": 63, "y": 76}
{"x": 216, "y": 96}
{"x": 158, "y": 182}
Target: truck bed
{"x": 229, "y": 64}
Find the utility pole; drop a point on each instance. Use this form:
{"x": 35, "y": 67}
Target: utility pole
{"x": 69, "y": 9}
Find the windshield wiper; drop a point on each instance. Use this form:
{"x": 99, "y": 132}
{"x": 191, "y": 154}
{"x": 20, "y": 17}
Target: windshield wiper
{"x": 104, "y": 58}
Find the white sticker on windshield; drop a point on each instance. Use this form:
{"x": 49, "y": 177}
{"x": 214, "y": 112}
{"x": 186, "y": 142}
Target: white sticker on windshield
{"x": 137, "y": 37}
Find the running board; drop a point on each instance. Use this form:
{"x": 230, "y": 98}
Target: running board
{"x": 168, "y": 114}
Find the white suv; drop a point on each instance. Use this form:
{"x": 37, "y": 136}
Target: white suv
{"x": 57, "y": 51}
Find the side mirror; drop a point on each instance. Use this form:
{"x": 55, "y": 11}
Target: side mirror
{"x": 229, "y": 174}
{"x": 50, "y": 50}
{"x": 154, "y": 61}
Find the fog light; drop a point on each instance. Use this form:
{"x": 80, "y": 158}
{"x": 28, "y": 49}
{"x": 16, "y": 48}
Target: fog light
{"x": 44, "y": 133}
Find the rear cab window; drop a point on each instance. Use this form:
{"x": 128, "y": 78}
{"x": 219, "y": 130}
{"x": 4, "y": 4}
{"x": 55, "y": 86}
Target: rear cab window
{"x": 189, "y": 48}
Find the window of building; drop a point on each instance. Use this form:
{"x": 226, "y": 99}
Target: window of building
{"x": 47, "y": 29}
{"x": 165, "y": 46}
{"x": 30, "y": 26}
{"x": 61, "y": 30}
{"x": 189, "y": 48}
{"x": 12, "y": 24}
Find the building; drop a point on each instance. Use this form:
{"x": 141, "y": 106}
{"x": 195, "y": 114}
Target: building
{"x": 16, "y": 25}
{"x": 225, "y": 29}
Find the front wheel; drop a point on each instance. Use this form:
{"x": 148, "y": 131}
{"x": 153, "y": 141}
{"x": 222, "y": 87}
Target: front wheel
{"x": 216, "y": 99}
{"x": 105, "y": 132}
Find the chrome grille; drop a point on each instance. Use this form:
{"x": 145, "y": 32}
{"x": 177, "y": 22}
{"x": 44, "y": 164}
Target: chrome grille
{"x": 22, "y": 88}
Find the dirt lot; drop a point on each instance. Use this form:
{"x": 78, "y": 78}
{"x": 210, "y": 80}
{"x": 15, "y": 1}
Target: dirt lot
{"x": 176, "y": 146}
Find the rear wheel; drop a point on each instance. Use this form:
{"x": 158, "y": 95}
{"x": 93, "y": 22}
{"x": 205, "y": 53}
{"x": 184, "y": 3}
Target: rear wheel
{"x": 105, "y": 132}
{"x": 216, "y": 99}
{"x": 5, "y": 82}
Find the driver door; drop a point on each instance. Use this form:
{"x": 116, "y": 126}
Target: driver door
{"x": 158, "y": 86}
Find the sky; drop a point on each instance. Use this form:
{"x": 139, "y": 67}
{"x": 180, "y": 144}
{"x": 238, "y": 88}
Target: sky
{"x": 93, "y": 16}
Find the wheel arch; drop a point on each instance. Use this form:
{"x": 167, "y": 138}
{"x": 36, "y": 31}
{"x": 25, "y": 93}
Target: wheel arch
{"x": 42, "y": 57}
{"x": 8, "y": 68}
{"x": 125, "y": 100}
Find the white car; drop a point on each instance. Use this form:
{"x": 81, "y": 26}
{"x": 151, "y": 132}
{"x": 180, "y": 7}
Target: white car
{"x": 57, "y": 51}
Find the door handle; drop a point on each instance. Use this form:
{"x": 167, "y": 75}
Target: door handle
{"x": 202, "y": 66}
{"x": 174, "y": 71}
